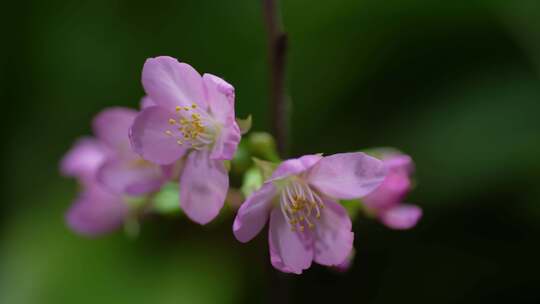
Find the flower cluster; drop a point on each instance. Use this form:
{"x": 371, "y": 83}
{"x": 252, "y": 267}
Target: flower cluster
{"x": 186, "y": 132}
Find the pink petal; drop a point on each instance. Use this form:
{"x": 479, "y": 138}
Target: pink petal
{"x": 171, "y": 83}
{"x": 295, "y": 166}
{"x": 399, "y": 162}
{"x": 347, "y": 263}
{"x": 253, "y": 214}
{"x": 333, "y": 235}
{"x": 219, "y": 96}
{"x": 84, "y": 159}
{"x": 132, "y": 177}
{"x": 289, "y": 251}
{"x": 401, "y": 217}
{"x": 394, "y": 188}
{"x": 96, "y": 212}
{"x": 148, "y": 137}
{"x": 111, "y": 126}
{"x": 227, "y": 141}
{"x": 203, "y": 187}
{"x": 146, "y": 102}
{"x": 347, "y": 175}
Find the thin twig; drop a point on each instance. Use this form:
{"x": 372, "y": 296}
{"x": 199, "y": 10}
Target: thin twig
{"x": 277, "y": 48}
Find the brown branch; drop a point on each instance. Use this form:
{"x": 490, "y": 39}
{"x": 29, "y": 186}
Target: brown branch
{"x": 277, "y": 48}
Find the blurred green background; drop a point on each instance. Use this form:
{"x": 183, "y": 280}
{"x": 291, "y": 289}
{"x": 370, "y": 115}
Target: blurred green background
{"x": 456, "y": 84}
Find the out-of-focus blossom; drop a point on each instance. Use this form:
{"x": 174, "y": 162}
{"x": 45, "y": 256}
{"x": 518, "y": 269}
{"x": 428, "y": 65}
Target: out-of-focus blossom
{"x": 306, "y": 222}
{"x": 124, "y": 171}
{"x": 96, "y": 210}
{"x": 386, "y": 202}
{"x": 107, "y": 168}
{"x": 192, "y": 116}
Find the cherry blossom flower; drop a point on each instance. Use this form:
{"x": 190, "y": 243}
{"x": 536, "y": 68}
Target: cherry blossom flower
{"x": 188, "y": 116}
{"x": 307, "y": 224}
{"x": 96, "y": 210}
{"x": 107, "y": 169}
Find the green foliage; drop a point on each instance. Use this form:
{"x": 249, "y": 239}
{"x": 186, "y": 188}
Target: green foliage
{"x": 167, "y": 200}
{"x": 244, "y": 124}
{"x": 253, "y": 180}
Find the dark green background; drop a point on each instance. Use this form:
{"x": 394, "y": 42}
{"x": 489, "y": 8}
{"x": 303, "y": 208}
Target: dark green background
{"x": 456, "y": 84}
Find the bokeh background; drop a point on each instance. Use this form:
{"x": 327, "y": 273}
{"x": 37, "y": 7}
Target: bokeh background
{"x": 456, "y": 84}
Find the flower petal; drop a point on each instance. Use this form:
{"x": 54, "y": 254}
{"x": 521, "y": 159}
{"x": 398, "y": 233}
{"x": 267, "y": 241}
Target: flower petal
{"x": 390, "y": 193}
{"x": 132, "y": 177}
{"x": 289, "y": 251}
{"x": 333, "y": 237}
{"x": 204, "y": 185}
{"x": 149, "y": 139}
{"x": 146, "y": 102}
{"x": 111, "y": 126}
{"x": 219, "y": 96}
{"x": 295, "y": 166}
{"x": 401, "y": 217}
{"x": 396, "y": 184}
{"x": 399, "y": 162}
{"x": 84, "y": 159}
{"x": 227, "y": 141}
{"x": 96, "y": 212}
{"x": 171, "y": 83}
{"x": 347, "y": 175}
{"x": 253, "y": 214}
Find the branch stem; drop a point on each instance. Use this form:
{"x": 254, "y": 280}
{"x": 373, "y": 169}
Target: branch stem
{"x": 277, "y": 49}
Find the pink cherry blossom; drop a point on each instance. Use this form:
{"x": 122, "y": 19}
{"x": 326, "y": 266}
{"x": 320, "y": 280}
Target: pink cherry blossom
{"x": 307, "y": 224}
{"x": 186, "y": 115}
{"x": 124, "y": 171}
{"x": 107, "y": 168}
{"x": 96, "y": 210}
{"x": 386, "y": 202}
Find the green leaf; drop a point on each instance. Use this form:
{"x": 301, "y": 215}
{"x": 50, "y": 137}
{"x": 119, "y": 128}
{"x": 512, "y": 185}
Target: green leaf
{"x": 353, "y": 207}
{"x": 263, "y": 145}
{"x": 253, "y": 180}
{"x": 135, "y": 202}
{"x": 266, "y": 167}
{"x": 244, "y": 124}
{"x": 167, "y": 200}
{"x": 241, "y": 160}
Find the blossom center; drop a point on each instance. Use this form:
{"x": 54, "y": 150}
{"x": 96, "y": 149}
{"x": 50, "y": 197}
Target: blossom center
{"x": 191, "y": 128}
{"x": 301, "y": 206}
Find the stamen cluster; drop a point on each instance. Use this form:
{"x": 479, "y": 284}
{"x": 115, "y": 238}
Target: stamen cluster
{"x": 300, "y": 205}
{"x": 191, "y": 127}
